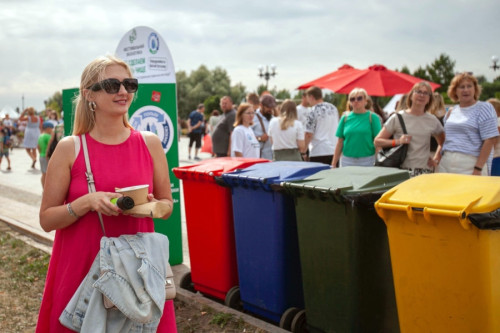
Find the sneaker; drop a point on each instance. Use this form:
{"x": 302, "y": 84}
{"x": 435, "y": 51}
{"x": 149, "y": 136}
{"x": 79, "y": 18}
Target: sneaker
{"x": 196, "y": 158}
{"x": 189, "y": 157}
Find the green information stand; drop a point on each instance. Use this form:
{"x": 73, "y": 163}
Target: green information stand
{"x": 154, "y": 109}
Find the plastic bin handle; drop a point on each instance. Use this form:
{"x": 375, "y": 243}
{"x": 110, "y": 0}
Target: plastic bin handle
{"x": 429, "y": 212}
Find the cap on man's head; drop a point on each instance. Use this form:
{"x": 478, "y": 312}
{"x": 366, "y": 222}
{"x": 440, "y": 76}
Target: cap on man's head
{"x": 268, "y": 101}
{"x": 47, "y": 124}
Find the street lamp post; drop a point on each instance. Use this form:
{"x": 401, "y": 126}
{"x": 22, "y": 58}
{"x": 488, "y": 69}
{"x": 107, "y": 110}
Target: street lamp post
{"x": 267, "y": 75}
{"x": 495, "y": 65}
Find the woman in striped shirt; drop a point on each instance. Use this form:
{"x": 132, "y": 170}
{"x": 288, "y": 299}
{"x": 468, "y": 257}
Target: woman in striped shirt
{"x": 470, "y": 128}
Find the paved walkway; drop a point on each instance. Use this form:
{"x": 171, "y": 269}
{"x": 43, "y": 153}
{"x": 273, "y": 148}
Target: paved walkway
{"x": 20, "y": 198}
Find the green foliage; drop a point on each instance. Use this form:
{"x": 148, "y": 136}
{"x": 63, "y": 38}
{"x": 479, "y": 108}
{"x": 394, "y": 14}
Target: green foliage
{"x": 405, "y": 70}
{"x": 221, "y": 319}
{"x": 54, "y": 102}
{"x": 442, "y": 71}
{"x": 421, "y": 73}
{"x": 211, "y": 103}
{"x": 282, "y": 94}
{"x": 200, "y": 85}
{"x": 490, "y": 90}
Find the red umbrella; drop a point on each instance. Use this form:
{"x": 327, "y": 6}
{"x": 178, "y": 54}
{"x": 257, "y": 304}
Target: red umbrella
{"x": 376, "y": 80}
{"x": 320, "y": 82}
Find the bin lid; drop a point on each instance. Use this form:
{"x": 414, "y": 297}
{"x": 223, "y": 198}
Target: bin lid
{"x": 347, "y": 181}
{"x": 215, "y": 167}
{"x": 444, "y": 194}
{"x": 266, "y": 174}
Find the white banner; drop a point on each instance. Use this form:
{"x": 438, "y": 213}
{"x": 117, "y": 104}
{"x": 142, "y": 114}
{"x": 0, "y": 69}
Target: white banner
{"x": 147, "y": 55}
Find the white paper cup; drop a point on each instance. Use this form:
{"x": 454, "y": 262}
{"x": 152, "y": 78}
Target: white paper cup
{"x": 138, "y": 193}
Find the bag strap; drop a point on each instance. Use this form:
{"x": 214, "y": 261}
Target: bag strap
{"x": 261, "y": 123}
{"x": 401, "y": 121}
{"x": 90, "y": 177}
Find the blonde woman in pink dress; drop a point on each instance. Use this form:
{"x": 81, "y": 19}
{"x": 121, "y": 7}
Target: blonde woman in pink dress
{"x": 120, "y": 157}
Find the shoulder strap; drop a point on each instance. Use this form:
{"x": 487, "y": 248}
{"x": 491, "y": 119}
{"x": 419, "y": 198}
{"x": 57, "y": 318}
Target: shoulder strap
{"x": 261, "y": 123}
{"x": 448, "y": 114}
{"x": 401, "y": 121}
{"x": 90, "y": 176}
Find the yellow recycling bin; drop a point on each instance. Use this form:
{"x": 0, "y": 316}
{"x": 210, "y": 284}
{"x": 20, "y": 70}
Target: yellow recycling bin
{"x": 445, "y": 252}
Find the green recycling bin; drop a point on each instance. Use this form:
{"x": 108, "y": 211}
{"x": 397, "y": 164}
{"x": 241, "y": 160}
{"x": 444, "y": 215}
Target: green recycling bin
{"x": 344, "y": 250}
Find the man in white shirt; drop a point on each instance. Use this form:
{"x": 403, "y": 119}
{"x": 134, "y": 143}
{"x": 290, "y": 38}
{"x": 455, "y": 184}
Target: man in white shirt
{"x": 303, "y": 110}
{"x": 321, "y": 125}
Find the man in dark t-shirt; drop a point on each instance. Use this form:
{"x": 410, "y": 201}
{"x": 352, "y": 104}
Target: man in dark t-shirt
{"x": 195, "y": 130}
{"x": 221, "y": 136}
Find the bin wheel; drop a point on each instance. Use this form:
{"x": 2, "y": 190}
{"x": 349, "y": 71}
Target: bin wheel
{"x": 187, "y": 283}
{"x": 299, "y": 322}
{"x": 233, "y": 299}
{"x": 287, "y": 318}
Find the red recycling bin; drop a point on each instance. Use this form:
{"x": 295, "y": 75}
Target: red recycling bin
{"x": 209, "y": 223}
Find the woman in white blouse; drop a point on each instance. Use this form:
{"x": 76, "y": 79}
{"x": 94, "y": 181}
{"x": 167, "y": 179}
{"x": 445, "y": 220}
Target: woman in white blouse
{"x": 287, "y": 134}
{"x": 243, "y": 140}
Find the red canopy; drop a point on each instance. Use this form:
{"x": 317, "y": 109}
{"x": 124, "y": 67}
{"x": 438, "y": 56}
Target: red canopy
{"x": 376, "y": 80}
{"x": 340, "y": 72}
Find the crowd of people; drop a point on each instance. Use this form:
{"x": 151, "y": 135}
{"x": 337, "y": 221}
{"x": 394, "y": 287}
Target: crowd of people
{"x": 76, "y": 202}
{"x": 460, "y": 139}
{"x": 35, "y": 132}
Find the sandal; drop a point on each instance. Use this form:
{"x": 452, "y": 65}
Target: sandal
{"x": 8, "y": 168}
{"x": 33, "y": 164}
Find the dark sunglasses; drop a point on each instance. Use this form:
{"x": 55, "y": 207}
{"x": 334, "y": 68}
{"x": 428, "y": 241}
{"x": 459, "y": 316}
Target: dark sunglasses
{"x": 112, "y": 86}
{"x": 359, "y": 99}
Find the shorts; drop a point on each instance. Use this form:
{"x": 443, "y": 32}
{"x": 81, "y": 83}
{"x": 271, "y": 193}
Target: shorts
{"x": 43, "y": 164}
{"x": 4, "y": 153}
{"x": 195, "y": 137}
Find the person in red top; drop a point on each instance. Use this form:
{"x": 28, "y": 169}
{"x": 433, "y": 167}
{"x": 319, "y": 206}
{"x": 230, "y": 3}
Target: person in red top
{"x": 120, "y": 157}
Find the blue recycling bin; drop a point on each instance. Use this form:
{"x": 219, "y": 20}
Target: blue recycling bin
{"x": 266, "y": 240}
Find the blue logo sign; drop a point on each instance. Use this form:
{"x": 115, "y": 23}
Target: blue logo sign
{"x": 153, "y": 43}
{"x": 154, "y": 119}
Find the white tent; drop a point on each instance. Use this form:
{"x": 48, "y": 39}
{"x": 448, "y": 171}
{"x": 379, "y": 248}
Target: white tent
{"x": 10, "y": 111}
{"x": 391, "y": 106}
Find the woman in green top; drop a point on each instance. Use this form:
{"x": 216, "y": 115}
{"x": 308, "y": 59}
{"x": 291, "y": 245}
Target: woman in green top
{"x": 356, "y": 131}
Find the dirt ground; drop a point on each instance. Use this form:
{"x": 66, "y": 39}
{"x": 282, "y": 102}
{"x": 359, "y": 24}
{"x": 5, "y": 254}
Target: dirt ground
{"x": 22, "y": 276}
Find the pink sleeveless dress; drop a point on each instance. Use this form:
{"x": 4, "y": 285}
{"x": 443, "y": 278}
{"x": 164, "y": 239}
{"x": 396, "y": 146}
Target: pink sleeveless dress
{"x": 75, "y": 247}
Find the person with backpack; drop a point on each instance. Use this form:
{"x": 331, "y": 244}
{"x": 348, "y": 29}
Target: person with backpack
{"x": 356, "y": 131}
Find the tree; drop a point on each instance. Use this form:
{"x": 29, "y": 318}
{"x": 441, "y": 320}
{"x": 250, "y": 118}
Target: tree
{"x": 404, "y": 70}
{"x": 282, "y": 94}
{"x": 421, "y": 73}
{"x": 54, "y": 102}
{"x": 211, "y": 103}
{"x": 442, "y": 71}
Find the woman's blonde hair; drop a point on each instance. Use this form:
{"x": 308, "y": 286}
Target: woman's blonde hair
{"x": 93, "y": 73}
{"x": 288, "y": 114}
{"x": 239, "y": 114}
{"x": 437, "y": 107}
{"x": 31, "y": 111}
{"x": 455, "y": 82}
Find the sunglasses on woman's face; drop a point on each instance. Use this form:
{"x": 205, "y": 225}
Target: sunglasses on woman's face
{"x": 112, "y": 86}
{"x": 359, "y": 99}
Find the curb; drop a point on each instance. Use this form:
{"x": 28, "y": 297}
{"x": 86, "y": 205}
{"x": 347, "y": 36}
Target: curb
{"x": 43, "y": 242}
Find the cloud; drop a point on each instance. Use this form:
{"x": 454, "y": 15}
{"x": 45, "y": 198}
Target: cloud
{"x": 46, "y": 45}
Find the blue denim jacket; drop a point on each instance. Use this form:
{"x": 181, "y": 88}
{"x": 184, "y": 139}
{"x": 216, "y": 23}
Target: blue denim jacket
{"x": 129, "y": 271}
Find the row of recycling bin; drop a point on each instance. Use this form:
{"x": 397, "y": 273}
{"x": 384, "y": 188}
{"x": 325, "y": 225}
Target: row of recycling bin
{"x": 357, "y": 249}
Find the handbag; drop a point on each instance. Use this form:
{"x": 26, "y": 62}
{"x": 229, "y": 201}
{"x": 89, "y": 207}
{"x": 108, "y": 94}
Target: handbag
{"x": 393, "y": 157}
{"x": 170, "y": 291}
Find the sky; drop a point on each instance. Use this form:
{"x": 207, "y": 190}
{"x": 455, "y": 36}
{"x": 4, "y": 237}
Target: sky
{"x": 45, "y": 44}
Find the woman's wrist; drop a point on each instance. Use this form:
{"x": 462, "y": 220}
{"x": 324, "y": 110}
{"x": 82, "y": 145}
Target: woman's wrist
{"x": 478, "y": 168}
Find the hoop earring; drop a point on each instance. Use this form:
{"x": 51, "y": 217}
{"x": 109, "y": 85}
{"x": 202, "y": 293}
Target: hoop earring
{"x": 92, "y": 106}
